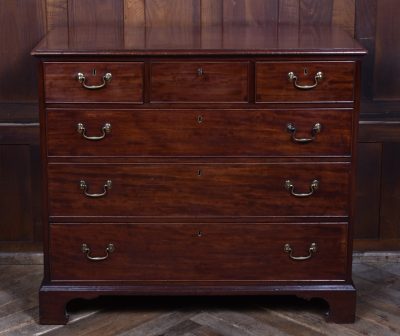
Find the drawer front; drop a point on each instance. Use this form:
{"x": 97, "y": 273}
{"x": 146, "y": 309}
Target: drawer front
{"x": 63, "y": 84}
{"x": 198, "y": 252}
{"x": 200, "y": 190}
{"x": 274, "y": 85}
{"x": 199, "y": 82}
{"x": 199, "y": 133}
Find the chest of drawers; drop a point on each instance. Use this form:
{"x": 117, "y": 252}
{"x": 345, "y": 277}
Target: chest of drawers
{"x": 199, "y": 171}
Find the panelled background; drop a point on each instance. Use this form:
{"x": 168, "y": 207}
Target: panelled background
{"x": 373, "y": 22}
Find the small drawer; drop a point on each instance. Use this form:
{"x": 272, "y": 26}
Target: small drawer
{"x": 199, "y": 82}
{"x": 198, "y": 252}
{"x": 306, "y": 82}
{"x": 93, "y": 82}
{"x": 240, "y": 133}
{"x": 199, "y": 190}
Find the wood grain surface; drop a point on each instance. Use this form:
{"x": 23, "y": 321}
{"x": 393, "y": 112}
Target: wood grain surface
{"x": 199, "y": 190}
{"x": 272, "y": 84}
{"x": 199, "y": 133}
{"x": 168, "y": 253}
{"x": 62, "y": 84}
{"x": 199, "y": 82}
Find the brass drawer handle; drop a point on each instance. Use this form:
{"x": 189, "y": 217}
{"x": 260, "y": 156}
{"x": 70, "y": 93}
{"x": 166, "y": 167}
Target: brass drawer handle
{"x": 106, "y": 129}
{"x": 86, "y": 250}
{"x": 291, "y": 128}
{"x": 311, "y": 250}
{"x": 293, "y": 78}
{"x": 82, "y": 79}
{"x": 290, "y": 187}
{"x": 83, "y": 185}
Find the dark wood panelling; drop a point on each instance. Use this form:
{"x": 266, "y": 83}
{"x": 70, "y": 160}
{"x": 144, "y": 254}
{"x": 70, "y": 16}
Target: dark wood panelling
{"x": 16, "y": 194}
{"x": 390, "y": 215}
{"x": 368, "y": 191}
{"x": 250, "y": 12}
{"x": 22, "y": 24}
{"x": 211, "y": 12}
{"x": 316, "y": 11}
{"x": 343, "y": 14}
{"x": 365, "y": 33}
{"x": 289, "y": 11}
{"x": 57, "y": 13}
{"x": 94, "y": 12}
{"x": 387, "y": 60}
{"x": 168, "y": 13}
{"x": 90, "y": 14}
{"x": 380, "y": 131}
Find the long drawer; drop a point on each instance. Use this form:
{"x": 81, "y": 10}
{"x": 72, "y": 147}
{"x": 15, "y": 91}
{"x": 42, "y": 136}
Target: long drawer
{"x": 92, "y": 82}
{"x": 201, "y": 190}
{"x": 199, "y": 132}
{"x": 176, "y": 252}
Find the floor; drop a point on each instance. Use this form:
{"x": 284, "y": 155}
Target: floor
{"x": 378, "y": 310}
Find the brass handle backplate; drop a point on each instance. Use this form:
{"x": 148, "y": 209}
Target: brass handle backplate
{"x": 291, "y": 128}
{"x": 293, "y": 78}
{"x": 86, "y": 250}
{"x": 313, "y": 188}
{"x": 288, "y": 249}
{"x": 106, "y": 129}
{"x": 82, "y": 79}
{"x": 84, "y": 186}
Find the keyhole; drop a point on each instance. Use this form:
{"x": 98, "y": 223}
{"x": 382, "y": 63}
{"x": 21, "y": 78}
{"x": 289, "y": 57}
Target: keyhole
{"x": 94, "y": 72}
{"x": 199, "y": 234}
{"x": 305, "y": 72}
{"x": 200, "y": 119}
{"x": 199, "y": 172}
{"x": 200, "y": 72}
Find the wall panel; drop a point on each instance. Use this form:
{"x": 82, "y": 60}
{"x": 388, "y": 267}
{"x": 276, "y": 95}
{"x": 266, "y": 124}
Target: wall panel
{"x": 387, "y": 51}
{"x": 255, "y": 12}
{"x": 22, "y": 25}
{"x": 315, "y": 11}
{"x": 57, "y": 13}
{"x": 16, "y": 194}
{"x": 368, "y": 191}
{"x": 343, "y": 14}
{"x": 289, "y": 11}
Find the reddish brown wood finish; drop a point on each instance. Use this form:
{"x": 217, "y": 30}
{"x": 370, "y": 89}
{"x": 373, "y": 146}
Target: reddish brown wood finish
{"x": 199, "y": 169}
{"x": 175, "y": 252}
{"x": 199, "y": 82}
{"x": 62, "y": 85}
{"x": 239, "y": 39}
{"x": 273, "y": 84}
{"x": 199, "y": 190}
{"x": 208, "y": 133}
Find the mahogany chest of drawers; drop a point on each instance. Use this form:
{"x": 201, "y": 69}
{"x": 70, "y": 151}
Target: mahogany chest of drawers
{"x": 196, "y": 168}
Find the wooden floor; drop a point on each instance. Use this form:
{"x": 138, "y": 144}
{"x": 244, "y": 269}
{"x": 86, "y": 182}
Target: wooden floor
{"x": 378, "y": 311}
